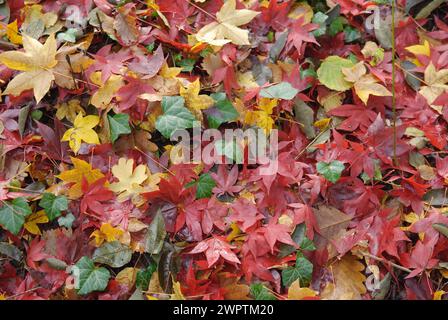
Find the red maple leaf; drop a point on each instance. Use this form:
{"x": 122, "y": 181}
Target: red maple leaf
{"x": 245, "y": 213}
{"x": 93, "y": 196}
{"x": 225, "y": 181}
{"x": 214, "y": 248}
{"x": 276, "y": 14}
{"x": 109, "y": 63}
{"x": 300, "y": 33}
{"x": 276, "y": 232}
{"x": 35, "y": 253}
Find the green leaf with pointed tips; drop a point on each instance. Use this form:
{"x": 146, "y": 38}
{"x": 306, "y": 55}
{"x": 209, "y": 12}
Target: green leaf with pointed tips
{"x": 205, "y": 185}
{"x": 53, "y": 205}
{"x": 118, "y": 124}
{"x": 89, "y": 277}
{"x": 175, "y": 116}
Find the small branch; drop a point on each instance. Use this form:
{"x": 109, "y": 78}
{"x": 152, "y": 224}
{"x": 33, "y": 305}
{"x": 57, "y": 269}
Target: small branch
{"x": 397, "y": 266}
{"x": 22, "y": 293}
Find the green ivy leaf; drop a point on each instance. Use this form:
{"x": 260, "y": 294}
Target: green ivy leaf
{"x": 260, "y": 292}
{"x": 118, "y": 124}
{"x": 90, "y": 278}
{"x": 351, "y": 34}
{"x": 53, "y": 205}
{"x": 301, "y": 271}
{"x": 187, "y": 65}
{"x": 320, "y": 18}
{"x": 331, "y": 171}
{"x": 283, "y": 90}
{"x": 175, "y": 116}
{"x": 307, "y": 244}
{"x": 336, "y": 26}
{"x": 205, "y": 185}
{"x": 223, "y": 111}
{"x": 13, "y": 214}
{"x": 67, "y": 220}
{"x": 330, "y": 73}
{"x": 144, "y": 276}
{"x": 230, "y": 149}
{"x": 114, "y": 254}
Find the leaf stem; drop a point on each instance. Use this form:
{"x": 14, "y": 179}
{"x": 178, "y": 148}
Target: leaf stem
{"x": 394, "y": 109}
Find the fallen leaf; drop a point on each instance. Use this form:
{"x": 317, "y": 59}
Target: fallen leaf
{"x": 348, "y": 281}
{"x": 225, "y": 28}
{"x": 81, "y": 169}
{"x": 36, "y": 62}
{"x": 82, "y": 131}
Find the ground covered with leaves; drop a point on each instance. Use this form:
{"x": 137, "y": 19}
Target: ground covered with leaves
{"x": 93, "y": 206}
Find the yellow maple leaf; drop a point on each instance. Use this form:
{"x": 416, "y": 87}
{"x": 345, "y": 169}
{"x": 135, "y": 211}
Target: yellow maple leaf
{"x": 262, "y": 117}
{"x": 423, "y": 49}
{"x": 32, "y": 221}
{"x": 195, "y": 101}
{"x": 12, "y": 32}
{"x": 246, "y": 80}
{"x": 419, "y": 49}
{"x": 348, "y": 280}
{"x": 2, "y": 296}
{"x": 35, "y": 14}
{"x": 106, "y": 233}
{"x": 364, "y": 84}
{"x": 295, "y": 292}
{"x": 177, "y": 292}
{"x": 36, "y": 62}
{"x": 234, "y": 233}
{"x": 81, "y": 169}
{"x": 436, "y": 83}
{"x": 129, "y": 180}
{"x": 168, "y": 72}
{"x": 225, "y": 29}
{"x": 69, "y": 110}
{"x": 412, "y": 218}
{"x": 438, "y": 295}
{"x": 82, "y": 131}
{"x": 106, "y": 92}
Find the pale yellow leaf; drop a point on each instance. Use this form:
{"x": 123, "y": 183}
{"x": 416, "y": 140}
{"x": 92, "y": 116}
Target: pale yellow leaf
{"x": 295, "y": 292}
{"x": 106, "y": 92}
{"x": 226, "y": 28}
{"x": 436, "y": 83}
{"x": 367, "y": 85}
{"x": 37, "y": 62}
{"x": 129, "y": 179}
{"x": 127, "y": 277}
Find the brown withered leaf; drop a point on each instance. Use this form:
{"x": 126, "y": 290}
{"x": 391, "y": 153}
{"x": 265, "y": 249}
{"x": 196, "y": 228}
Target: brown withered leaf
{"x": 348, "y": 280}
{"x": 125, "y": 25}
{"x": 332, "y": 222}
